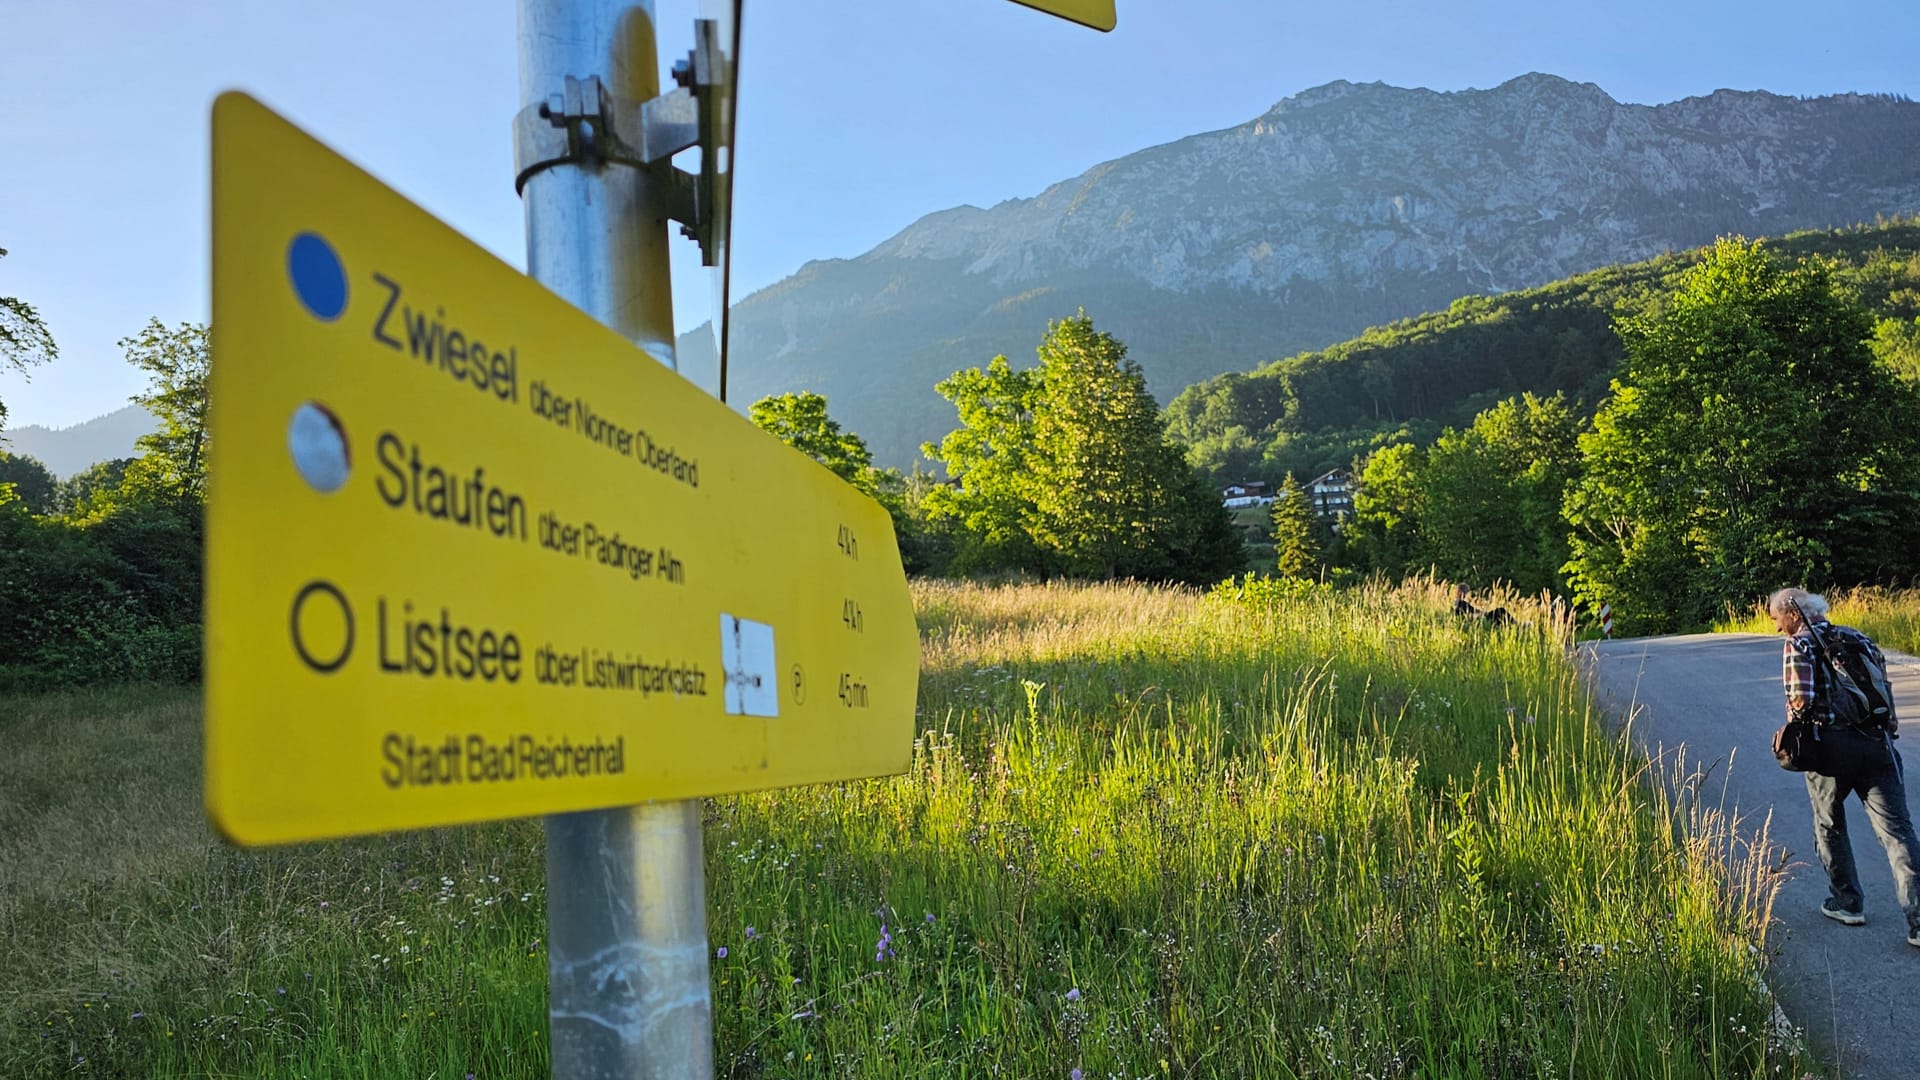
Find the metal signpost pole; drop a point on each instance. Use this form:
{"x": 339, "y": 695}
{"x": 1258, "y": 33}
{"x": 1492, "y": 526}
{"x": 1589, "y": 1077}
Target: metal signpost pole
{"x": 626, "y": 888}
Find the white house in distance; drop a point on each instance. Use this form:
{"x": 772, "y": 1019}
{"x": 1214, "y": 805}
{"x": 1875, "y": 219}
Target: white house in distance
{"x": 1331, "y": 494}
{"x": 1247, "y": 493}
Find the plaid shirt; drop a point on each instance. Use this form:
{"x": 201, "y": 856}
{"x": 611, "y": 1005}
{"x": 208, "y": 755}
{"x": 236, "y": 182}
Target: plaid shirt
{"x": 1800, "y": 674}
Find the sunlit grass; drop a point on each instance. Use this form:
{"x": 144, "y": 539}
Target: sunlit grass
{"x": 1888, "y": 616}
{"x": 1148, "y": 833}
{"x": 1284, "y": 833}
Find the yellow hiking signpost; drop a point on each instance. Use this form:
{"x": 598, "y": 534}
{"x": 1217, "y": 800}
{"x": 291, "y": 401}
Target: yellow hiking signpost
{"x": 1098, "y": 14}
{"x": 472, "y": 555}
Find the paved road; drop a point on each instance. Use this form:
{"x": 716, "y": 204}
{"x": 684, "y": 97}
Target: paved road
{"x": 1716, "y": 698}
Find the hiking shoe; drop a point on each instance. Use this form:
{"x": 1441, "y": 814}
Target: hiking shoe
{"x": 1913, "y": 937}
{"x": 1852, "y": 918}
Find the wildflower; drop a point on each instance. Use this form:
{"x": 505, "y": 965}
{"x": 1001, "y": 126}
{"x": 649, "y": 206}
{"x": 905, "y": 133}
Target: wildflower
{"x": 752, "y": 934}
{"x": 721, "y": 952}
{"x": 136, "y": 1016}
{"x": 883, "y": 949}
{"x": 1073, "y": 994}
{"x": 929, "y": 918}
{"x": 1073, "y": 1073}
{"x": 282, "y": 991}
{"x": 325, "y": 904}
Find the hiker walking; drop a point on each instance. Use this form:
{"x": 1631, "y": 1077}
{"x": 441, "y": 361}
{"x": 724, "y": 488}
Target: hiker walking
{"x": 1822, "y": 665}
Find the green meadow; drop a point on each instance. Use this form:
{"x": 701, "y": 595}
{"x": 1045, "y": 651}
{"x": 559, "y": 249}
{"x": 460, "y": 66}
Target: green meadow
{"x": 1271, "y": 831}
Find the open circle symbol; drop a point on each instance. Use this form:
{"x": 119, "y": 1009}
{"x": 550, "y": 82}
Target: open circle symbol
{"x": 327, "y": 588}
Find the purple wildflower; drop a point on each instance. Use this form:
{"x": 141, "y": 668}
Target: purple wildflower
{"x": 883, "y": 949}
{"x": 752, "y": 934}
{"x": 1073, "y": 1073}
{"x": 929, "y": 918}
{"x": 721, "y": 952}
{"x": 1073, "y": 994}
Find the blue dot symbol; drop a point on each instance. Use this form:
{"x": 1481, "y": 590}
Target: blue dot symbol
{"x": 318, "y": 277}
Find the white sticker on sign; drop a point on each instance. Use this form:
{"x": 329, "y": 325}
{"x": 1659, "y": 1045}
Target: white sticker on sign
{"x": 746, "y": 653}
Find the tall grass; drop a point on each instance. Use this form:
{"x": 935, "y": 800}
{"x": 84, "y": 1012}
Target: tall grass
{"x": 1271, "y": 832}
{"x": 1277, "y": 835}
{"x": 132, "y": 943}
{"x": 1888, "y": 616}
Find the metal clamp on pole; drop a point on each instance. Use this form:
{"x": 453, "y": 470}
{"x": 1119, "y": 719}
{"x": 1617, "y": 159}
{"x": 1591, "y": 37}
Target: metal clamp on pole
{"x": 587, "y": 124}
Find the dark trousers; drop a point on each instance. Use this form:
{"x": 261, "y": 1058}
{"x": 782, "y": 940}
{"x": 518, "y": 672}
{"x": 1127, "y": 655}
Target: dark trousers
{"x": 1867, "y": 766}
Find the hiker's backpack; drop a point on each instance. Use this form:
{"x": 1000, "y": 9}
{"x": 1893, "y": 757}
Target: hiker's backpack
{"x": 1857, "y": 686}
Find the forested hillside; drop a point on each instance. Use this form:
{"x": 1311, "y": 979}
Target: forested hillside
{"x": 1406, "y": 381}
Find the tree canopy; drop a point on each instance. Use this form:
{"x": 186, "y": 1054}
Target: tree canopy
{"x": 29, "y": 482}
{"x": 1406, "y": 381}
{"x": 25, "y": 340}
{"x": 174, "y": 459}
{"x": 1065, "y": 469}
{"x": 1752, "y": 440}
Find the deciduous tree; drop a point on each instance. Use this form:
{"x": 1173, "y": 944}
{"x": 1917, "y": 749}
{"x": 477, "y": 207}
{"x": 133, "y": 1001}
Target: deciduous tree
{"x": 24, "y": 338}
{"x": 1065, "y": 468}
{"x": 1105, "y": 476}
{"x": 989, "y": 460}
{"x": 174, "y": 462}
{"x": 1389, "y": 509}
{"x": 801, "y": 421}
{"x": 1493, "y": 494}
{"x": 1751, "y": 440}
{"x": 29, "y": 481}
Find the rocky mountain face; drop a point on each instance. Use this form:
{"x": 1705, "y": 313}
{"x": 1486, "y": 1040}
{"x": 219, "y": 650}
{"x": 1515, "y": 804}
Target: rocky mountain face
{"x": 1343, "y": 207}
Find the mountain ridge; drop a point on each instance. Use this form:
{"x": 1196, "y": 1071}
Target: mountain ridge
{"x": 1344, "y": 206}
{"x": 73, "y": 449}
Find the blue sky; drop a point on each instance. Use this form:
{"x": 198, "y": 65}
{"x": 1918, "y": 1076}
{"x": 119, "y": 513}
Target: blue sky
{"x": 857, "y": 116}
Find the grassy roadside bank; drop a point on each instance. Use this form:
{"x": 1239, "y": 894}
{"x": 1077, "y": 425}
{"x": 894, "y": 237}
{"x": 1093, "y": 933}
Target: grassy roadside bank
{"x": 1888, "y": 616}
{"x": 1146, "y": 833}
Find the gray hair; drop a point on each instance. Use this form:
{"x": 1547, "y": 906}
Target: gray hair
{"x": 1811, "y": 605}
